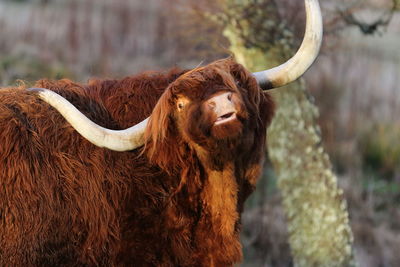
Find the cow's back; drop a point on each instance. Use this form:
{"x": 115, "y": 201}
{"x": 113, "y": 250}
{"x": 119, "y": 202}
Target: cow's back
{"x": 64, "y": 201}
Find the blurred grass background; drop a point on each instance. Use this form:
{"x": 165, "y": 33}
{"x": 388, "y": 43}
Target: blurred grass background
{"x": 355, "y": 83}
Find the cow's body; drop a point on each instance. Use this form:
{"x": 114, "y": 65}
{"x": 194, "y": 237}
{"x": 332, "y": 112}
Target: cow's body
{"x": 66, "y": 202}
{"x": 173, "y": 198}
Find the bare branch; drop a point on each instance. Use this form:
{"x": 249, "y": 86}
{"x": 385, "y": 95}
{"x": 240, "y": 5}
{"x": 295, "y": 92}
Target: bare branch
{"x": 371, "y": 27}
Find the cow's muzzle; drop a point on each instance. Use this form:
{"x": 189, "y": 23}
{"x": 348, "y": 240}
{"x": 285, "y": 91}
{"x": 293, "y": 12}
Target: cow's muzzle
{"x": 223, "y": 107}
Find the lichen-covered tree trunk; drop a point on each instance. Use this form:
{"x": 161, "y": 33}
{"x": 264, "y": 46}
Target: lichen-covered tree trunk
{"x": 318, "y": 222}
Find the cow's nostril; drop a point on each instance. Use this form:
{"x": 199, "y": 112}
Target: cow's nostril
{"x": 211, "y": 105}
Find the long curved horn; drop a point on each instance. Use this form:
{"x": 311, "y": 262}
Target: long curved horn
{"x": 305, "y": 56}
{"x": 132, "y": 138}
{"x": 118, "y": 140}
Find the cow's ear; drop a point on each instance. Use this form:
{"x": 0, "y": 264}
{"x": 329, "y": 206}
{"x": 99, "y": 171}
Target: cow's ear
{"x": 162, "y": 139}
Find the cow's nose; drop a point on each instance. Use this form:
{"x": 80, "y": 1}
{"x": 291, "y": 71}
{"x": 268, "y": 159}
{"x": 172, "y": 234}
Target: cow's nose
{"x": 222, "y": 99}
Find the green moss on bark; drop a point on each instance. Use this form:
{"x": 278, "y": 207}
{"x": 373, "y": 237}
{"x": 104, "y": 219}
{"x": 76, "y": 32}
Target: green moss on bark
{"x": 318, "y": 221}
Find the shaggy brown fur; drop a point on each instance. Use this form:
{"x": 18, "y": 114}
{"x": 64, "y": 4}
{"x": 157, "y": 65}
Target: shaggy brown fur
{"x": 176, "y": 202}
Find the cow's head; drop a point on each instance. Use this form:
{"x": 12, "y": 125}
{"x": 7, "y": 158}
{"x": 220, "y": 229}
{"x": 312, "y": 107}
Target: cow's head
{"x": 210, "y": 110}
{"x": 207, "y": 105}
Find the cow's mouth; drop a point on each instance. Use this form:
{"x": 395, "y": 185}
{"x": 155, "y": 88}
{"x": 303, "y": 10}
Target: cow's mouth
{"x": 225, "y": 118}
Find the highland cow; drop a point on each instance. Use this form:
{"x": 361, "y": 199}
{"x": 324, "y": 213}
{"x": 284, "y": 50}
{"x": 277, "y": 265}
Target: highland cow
{"x": 76, "y": 189}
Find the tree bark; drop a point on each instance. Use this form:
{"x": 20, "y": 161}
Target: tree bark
{"x": 318, "y": 221}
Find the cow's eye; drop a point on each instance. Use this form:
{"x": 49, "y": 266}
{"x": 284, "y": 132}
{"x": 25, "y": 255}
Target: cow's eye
{"x": 181, "y": 105}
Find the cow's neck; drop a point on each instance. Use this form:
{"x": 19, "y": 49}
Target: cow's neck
{"x": 219, "y": 210}
{"x": 220, "y": 196}
{"x": 220, "y": 213}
